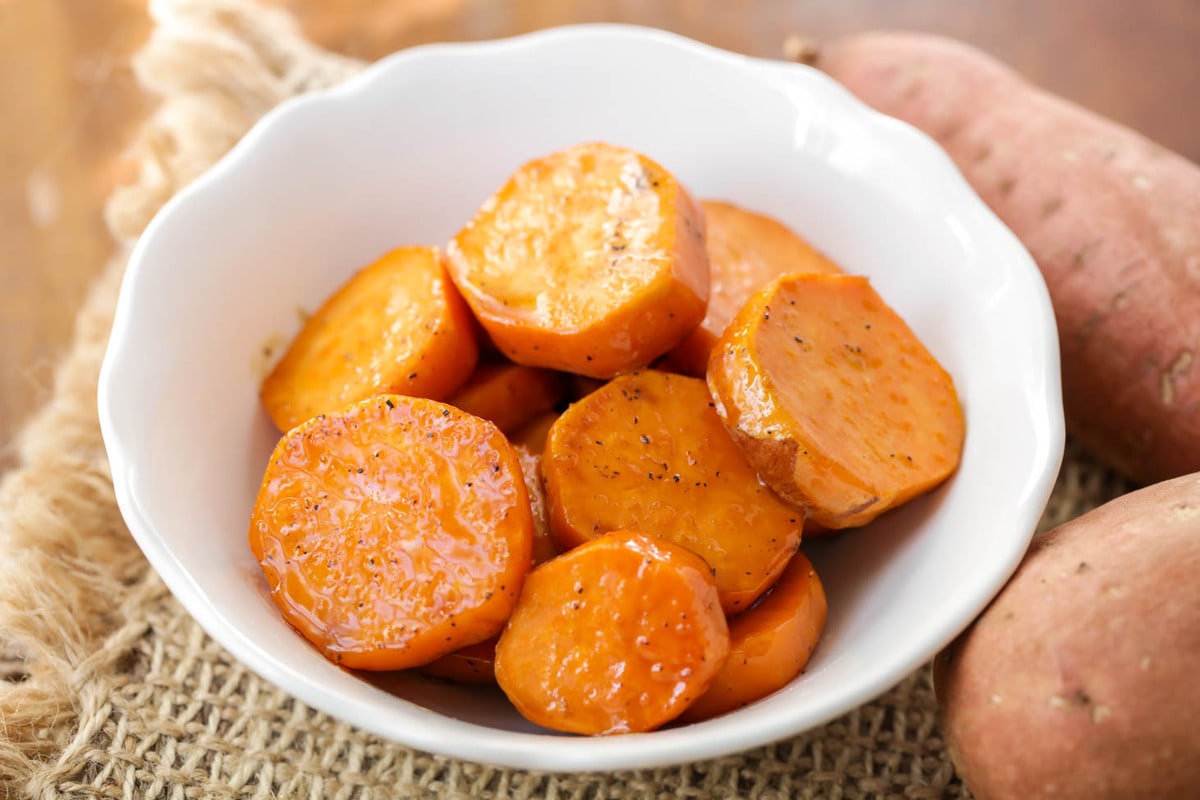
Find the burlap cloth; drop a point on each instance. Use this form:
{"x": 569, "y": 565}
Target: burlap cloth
{"x": 108, "y": 688}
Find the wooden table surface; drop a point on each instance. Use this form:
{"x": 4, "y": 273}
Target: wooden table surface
{"x": 69, "y": 104}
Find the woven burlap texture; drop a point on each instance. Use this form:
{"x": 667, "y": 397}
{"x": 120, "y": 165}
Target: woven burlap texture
{"x": 108, "y": 688}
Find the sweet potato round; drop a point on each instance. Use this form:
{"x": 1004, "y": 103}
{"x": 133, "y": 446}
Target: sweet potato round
{"x": 589, "y": 260}
{"x": 834, "y": 400}
{"x": 1080, "y": 680}
{"x": 396, "y": 326}
{"x": 617, "y": 636}
{"x": 393, "y": 531}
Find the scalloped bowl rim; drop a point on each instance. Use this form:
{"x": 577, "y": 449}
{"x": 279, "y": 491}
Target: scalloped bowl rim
{"x": 421, "y": 728}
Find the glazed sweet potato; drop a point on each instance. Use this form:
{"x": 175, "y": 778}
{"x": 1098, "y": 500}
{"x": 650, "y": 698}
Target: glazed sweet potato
{"x": 769, "y": 643}
{"x": 475, "y": 664}
{"x": 544, "y": 545}
{"x": 510, "y": 395}
{"x": 647, "y": 452}
{"x": 590, "y": 260}
{"x": 397, "y": 326}
{"x": 834, "y": 400}
{"x": 393, "y": 531}
{"x": 617, "y": 636}
{"x": 532, "y": 434}
{"x": 1112, "y": 219}
{"x": 746, "y": 250}
{"x": 1079, "y": 681}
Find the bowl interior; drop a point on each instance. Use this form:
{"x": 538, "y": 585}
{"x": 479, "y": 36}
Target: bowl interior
{"x": 404, "y": 155}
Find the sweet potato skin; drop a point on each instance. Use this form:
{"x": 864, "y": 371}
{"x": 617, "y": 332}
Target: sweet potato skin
{"x": 1112, "y": 219}
{"x": 1079, "y": 681}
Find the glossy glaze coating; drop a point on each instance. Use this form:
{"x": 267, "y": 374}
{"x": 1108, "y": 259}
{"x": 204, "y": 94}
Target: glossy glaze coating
{"x": 590, "y": 260}
{"x": 647, "y": 451}
{"x": 834, "y": 400}
{"x": 398, "y": 325}
{"x": 619, "y": 635}
{"x": 769, "y": 643}
{"x": 393, "y": 531}
{"x": 476, "y": 663}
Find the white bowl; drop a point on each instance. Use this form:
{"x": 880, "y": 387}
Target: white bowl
{"x": 404, "y": 154}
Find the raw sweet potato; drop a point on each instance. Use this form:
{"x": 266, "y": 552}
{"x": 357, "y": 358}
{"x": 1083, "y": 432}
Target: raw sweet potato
{"x": 590, "y": 260}
{"x": 619, "y": 635}
{"x": 397, "y": 326}
{"x": 769, "y": 643}
{"x": 745, "y": 251}
{"x": 834, "y": 400}
{"x": 510, "y": 395}
{"x": 648, "y": 452}
{"x": 1112, "y": 219}
{"x": 1079, "y": 681}
{"x": 393, "y": 531}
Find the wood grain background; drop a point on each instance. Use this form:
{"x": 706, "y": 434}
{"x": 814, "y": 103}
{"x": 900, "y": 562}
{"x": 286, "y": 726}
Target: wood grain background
{"x": 69, "y": 104}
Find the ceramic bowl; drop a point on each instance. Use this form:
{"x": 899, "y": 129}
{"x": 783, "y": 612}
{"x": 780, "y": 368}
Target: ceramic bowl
{"x": 405, "y": 153}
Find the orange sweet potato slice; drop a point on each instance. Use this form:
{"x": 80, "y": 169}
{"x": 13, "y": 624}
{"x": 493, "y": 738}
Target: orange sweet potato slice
{"x": 544, "y": 545}
{"x": 746, "y": 250}
{"x": 590, "y": 260}
{"x": 397, "y": 326}
{"x": 619, "y": 635}
{"x": 648, "y": 452}
{"x": 533, "y": 433}
{"x": 475, "y": 664}
{"x": 834, "y": 400}
{"x": 510, "y": 395}
{"x": 769, "y": 643}
{"x": 393, "y": 531}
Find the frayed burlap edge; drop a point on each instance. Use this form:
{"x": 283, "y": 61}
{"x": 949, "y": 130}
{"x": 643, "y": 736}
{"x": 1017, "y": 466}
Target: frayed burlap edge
{"x": 109, "y": 689}
{"x": 70, "y": 568}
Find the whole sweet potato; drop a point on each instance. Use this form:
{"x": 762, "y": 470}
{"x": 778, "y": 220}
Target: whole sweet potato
{"x": 1081, "y": 681}
{"x": 1112, "y": 219}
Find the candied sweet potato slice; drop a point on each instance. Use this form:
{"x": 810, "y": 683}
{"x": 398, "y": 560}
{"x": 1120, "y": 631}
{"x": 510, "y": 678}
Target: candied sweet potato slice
{"x": 834, "y": 400}
{"x": 769, "y": 643}
{"x": 534, "y": 432}
{"x": 544, "y": 545}
{"x": 590, "y": 260}
{"x": 619, "y": 635}
{"x": 746, "y": 251}
{"x": 393, "y": 531}
{"x": 510, "y": 395}
{"x": 396, "y": 326}
{"x": 648, "y": 452}
{"x": 475, "y": 664}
